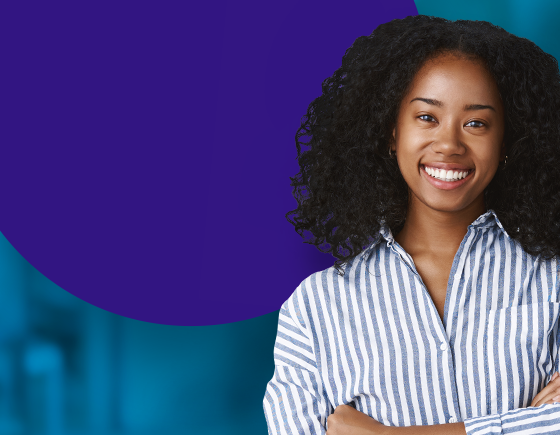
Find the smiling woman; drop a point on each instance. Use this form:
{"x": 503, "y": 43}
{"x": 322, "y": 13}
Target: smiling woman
{"x": 434, "y": 155}
{"x": 458, "y": 130}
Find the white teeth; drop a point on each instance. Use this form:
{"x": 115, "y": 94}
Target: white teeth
{"x": 444, "y": 175}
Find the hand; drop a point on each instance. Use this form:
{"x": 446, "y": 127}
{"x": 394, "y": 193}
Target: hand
{"x": 346, "y": 420}
{"x": 550, "y": 393}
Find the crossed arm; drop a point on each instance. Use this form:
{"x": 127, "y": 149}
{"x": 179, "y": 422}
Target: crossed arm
{"x": 296, "y": 401}
{"x": 348, "y": 421}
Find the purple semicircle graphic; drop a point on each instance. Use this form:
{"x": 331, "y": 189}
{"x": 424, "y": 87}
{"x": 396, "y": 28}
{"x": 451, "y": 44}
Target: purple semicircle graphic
{"x": 147, "y": 149}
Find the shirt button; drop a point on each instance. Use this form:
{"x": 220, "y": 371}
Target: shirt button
{"x": 443, "y": 346}
{"x": 452, "y": 420}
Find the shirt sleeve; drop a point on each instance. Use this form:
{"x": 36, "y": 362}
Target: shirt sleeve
{"x": 544, "y": 419}
{"x": 295, "y": 402}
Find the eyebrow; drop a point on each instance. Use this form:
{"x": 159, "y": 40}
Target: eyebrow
{"x": 478, "y": 107}
{"x": 468, "y": 107}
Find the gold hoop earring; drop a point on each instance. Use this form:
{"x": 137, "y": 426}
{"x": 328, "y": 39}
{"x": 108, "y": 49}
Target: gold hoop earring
{"x": 391, "y": 153}
{"x": 505, "y": 161}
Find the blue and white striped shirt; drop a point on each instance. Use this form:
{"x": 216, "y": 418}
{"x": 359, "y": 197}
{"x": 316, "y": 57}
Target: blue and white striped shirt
{"x": 373, "y": 338}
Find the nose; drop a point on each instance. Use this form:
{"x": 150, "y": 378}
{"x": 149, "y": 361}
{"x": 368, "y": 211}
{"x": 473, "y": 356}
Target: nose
{"x": 447, "y": 140}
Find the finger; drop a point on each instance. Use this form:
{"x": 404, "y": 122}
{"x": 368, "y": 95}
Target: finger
{"x": 544, "y": 396}
{"x": 552, "y": 386}
{"x": 552, "y": 401}
{"x": 544, "y": 393}
{"x": 553, "y": 395}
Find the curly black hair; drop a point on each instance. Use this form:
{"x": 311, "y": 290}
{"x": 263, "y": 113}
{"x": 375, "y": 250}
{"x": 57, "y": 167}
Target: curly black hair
{"x": 348, "y": 185}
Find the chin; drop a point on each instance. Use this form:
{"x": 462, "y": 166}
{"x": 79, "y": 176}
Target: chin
{"x": 444, "y": 206}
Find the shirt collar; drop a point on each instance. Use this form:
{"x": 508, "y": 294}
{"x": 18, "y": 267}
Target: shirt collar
{"x": 488, "y": 220}
{"x": 386, "y": 233}
{"x": 485, "y": 220}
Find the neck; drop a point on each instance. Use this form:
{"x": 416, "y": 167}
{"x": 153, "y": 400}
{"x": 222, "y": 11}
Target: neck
{"x": 438, "y": 232}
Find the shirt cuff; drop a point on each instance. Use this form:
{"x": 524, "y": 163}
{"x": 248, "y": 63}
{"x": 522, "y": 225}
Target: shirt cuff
{"x": 488, "y": 424}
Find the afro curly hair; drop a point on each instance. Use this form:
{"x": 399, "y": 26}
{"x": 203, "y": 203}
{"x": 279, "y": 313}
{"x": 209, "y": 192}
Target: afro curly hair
{"x": 348, "y": 185}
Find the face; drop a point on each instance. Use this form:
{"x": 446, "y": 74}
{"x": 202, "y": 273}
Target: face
{"x": 449, "y": 134}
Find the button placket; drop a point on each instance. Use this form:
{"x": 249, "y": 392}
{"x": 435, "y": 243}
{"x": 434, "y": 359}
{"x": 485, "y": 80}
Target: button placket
{"x": 409, "y": 262}
{"x": 444, "y": 346}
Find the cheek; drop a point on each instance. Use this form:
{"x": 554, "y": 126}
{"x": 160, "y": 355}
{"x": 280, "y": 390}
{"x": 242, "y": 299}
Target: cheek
{"x": 408, "y": 147}
{"x": 408, "y": 160}
{"x": 490, "y": 154}
{"x": 487, "y": 167}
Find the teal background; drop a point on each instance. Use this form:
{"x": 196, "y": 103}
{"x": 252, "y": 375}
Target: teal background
{"x": 536, "y": 20}
{"x": 67, "y": 367}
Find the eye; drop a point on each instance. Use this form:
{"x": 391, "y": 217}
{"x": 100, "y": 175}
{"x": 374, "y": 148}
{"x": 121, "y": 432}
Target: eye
{"x": 428, "y": 118}
{"x": 475, "y": 124}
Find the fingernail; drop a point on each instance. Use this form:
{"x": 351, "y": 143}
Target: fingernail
{"x": 556, "y": 399}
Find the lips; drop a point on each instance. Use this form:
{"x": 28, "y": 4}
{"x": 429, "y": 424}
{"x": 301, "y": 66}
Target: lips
{"x": 447, "y": 166}
{"x": 463, "y": 174}
{"x": 446, "y": 175}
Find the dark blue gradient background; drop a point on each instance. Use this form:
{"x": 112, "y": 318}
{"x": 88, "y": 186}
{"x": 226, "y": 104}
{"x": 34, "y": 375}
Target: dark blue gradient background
{"x": 68, "y": 367}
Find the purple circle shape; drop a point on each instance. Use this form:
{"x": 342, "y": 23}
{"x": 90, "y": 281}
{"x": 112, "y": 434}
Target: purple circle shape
{"x": 146, "y": 148}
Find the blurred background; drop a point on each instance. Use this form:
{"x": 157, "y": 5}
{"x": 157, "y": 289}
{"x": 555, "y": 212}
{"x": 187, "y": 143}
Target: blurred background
{"x": 67, "y": 367}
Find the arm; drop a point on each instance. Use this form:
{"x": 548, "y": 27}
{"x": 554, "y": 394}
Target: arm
{"x": 543, "y": 416}
{"x": 543, "y": 419}
{"x": 436, "y": 429}
{"x": 295, "y": 402}
{"x": 348, "y": 421}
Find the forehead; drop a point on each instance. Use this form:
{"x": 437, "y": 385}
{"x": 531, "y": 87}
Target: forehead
{"x": 455, "y": 79}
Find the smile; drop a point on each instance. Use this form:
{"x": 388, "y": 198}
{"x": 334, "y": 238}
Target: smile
{"x": 446, "y": 179}
{"x": 443, "y": 175}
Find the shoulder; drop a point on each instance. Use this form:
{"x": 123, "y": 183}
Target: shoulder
{"x": 320, "y": 294}
{"x": 301, "y": 306}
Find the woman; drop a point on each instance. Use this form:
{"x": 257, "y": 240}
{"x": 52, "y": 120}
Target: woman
{"x": 433, "y": 177}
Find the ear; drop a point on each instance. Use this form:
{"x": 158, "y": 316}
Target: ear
{"x": 393, "y": 139}
{"x": 503, "y": 152}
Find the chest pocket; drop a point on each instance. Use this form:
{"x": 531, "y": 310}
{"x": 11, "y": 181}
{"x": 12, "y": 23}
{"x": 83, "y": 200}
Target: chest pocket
{"x": 519, "y": 353}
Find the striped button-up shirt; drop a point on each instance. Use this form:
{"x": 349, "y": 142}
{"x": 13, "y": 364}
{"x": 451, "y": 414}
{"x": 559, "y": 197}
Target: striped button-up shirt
{"x": 374, "y": 339}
